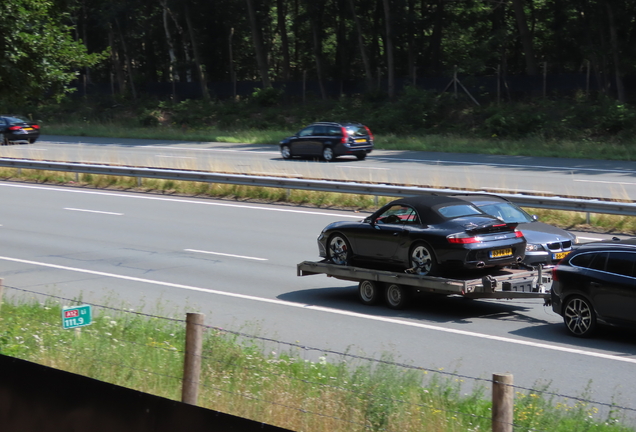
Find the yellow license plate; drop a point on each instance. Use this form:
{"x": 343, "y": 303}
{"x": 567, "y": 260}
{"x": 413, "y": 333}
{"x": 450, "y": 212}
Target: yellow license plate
{"x": 27, "y": 128}
{"x": 499, "y": 253}
{"x": 559, "y": 255}
{"x": 361, "y": 140}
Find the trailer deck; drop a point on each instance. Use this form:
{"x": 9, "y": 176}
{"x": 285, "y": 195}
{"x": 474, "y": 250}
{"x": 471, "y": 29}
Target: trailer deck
{"x": 398, "y": 287}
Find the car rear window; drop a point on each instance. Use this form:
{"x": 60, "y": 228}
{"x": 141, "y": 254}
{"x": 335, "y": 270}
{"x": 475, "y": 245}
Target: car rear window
{"x": 458, "y": 210}
{"x": 15, "y": 120}
{"x": 356, "y": 130}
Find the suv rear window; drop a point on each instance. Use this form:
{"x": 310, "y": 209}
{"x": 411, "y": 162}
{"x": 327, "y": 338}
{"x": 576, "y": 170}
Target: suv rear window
{"x": 356, "y": 130}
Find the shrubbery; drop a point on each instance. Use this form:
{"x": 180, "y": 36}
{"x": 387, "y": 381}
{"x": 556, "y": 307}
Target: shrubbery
{"x": 414, "y": 112}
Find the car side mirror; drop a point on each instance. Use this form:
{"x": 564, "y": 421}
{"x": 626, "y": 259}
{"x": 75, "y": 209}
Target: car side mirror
{"x": 535, "y": 218}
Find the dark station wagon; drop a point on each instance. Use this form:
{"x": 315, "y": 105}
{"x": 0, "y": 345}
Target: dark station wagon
{"x": 596, "y": 283}
{"x": 328, "y": 140}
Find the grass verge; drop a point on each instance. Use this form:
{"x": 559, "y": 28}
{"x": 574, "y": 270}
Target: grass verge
{"x": 527, "y": 146}
{"x": 244, "y": 376}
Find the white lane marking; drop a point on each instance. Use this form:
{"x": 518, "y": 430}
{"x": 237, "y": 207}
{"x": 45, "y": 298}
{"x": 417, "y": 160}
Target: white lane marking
{"x": 213, "y": 150}
{"x": 337, "y": 312}
{"x": 156, "y": 198}
{"x": 93, "y": 211}
{"x": 362, "y": 167}
{"x": 225, "y": 254}
{"x": 174, "y": 157}
{"x": 485, "y": 163}
{"x": 605, "y": 182}
{"x": 517, "y": 190}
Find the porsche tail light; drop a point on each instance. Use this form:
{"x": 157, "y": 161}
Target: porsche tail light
{"x": 15, "y": 128}
{"x": 35, "y": 126}
{"x": 345, "y": 136}
{"x": 518, "y": 233}
{"x": 463, "y": 238}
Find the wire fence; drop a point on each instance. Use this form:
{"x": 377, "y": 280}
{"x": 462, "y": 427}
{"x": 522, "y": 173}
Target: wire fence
{"x": 251, "y": 375}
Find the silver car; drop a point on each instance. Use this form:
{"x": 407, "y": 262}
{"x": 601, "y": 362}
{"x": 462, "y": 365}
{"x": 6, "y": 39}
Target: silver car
{"x": 546, "y": 244}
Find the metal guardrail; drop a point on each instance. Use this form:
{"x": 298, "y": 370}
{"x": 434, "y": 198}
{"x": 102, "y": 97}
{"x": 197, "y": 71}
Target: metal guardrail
{"x": 546, "y": 202}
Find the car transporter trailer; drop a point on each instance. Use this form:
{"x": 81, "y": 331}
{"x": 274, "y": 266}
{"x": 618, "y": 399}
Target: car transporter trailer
{"x": 398, "y": 288}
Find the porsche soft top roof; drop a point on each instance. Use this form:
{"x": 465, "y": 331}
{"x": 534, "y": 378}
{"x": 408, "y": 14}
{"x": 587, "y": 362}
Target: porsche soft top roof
{"x": 427, "y": 206}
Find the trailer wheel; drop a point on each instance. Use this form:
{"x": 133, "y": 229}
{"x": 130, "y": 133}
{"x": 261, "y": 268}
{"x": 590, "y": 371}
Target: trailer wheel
{"x": 396, "y": 296}
{"x": 369, "y": 292}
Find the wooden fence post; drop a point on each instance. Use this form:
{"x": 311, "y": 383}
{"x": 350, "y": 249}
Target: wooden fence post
{"x": 192, "y": 360}
{"x": 502, "y": 402}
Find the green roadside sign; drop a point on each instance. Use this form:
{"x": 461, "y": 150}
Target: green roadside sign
{"x": 77, "y": 316}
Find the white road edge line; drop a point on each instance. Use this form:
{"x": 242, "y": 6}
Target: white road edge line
{"x": 335, "y": 311}
{"x": 93, "y": 211}
{"x": 225, "y": 254}
{"x": 187, "y": 201}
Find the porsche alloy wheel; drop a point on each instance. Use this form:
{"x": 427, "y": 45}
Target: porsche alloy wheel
{"x": 338, "y": 250}
{"x": 422, "y": 261}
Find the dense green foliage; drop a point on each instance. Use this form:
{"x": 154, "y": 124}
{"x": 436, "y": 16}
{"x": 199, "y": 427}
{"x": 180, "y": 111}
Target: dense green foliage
{"x": 334, "y": 43}
{"x": 413, "y": 113}
{"x": 38, "y": 55}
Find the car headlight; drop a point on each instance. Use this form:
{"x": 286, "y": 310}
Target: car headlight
{"x": 533, "y": 247}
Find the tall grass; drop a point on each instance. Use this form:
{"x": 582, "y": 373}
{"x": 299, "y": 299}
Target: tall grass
{"x": 274, "y": 382}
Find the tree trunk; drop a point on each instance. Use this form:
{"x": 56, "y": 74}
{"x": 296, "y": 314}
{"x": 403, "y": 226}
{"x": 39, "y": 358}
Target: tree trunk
{"x": 174, "y": 76}
{"x": 133, "y": 90}
{"x": 114, "y": 56}
{"x": 620, "y": 89}
{"x": 526, "y": 37}
{"x": 315, "y": 14}
{"x": 389, "y": 48}
{"x": 197, "y": 58}
{"x": 259, "y": 47}
{"x": 368, "y": 75}
{"x": 282, "y": 29}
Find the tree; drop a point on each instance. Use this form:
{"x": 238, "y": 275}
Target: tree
{"x": 38, "y": 56}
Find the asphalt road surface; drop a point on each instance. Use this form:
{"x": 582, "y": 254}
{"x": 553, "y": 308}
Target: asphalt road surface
{"x": 236, "y": 263}
{"x": 529, "y": 175}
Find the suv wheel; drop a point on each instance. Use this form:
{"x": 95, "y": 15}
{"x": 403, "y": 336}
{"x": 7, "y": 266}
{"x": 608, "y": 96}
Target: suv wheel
{"x": 327, "y": 154}
{"x": 579, "y": 316}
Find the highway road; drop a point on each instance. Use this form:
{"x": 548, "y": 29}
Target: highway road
{"x": 236, "y": 263}
{"x": 492, "y": 173}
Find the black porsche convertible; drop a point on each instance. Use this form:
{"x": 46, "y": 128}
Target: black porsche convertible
{"x": 425, "y": 235}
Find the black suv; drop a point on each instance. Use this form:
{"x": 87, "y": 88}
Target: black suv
{"x": 329, "y": 140}
{"x": 596, "y": 283}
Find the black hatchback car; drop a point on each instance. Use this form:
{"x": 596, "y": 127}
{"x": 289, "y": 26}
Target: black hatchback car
{"x": 596, "y": 283}
{"x": 14, "y": 128}
{"x": 329, "y": 140}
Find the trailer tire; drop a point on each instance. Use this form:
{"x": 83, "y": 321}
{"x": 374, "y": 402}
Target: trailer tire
{"x": 396, "y": 296}
{"x": 369, "y": 292}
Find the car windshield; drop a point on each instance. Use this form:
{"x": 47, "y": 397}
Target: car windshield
{"x": 507, "y": 212}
